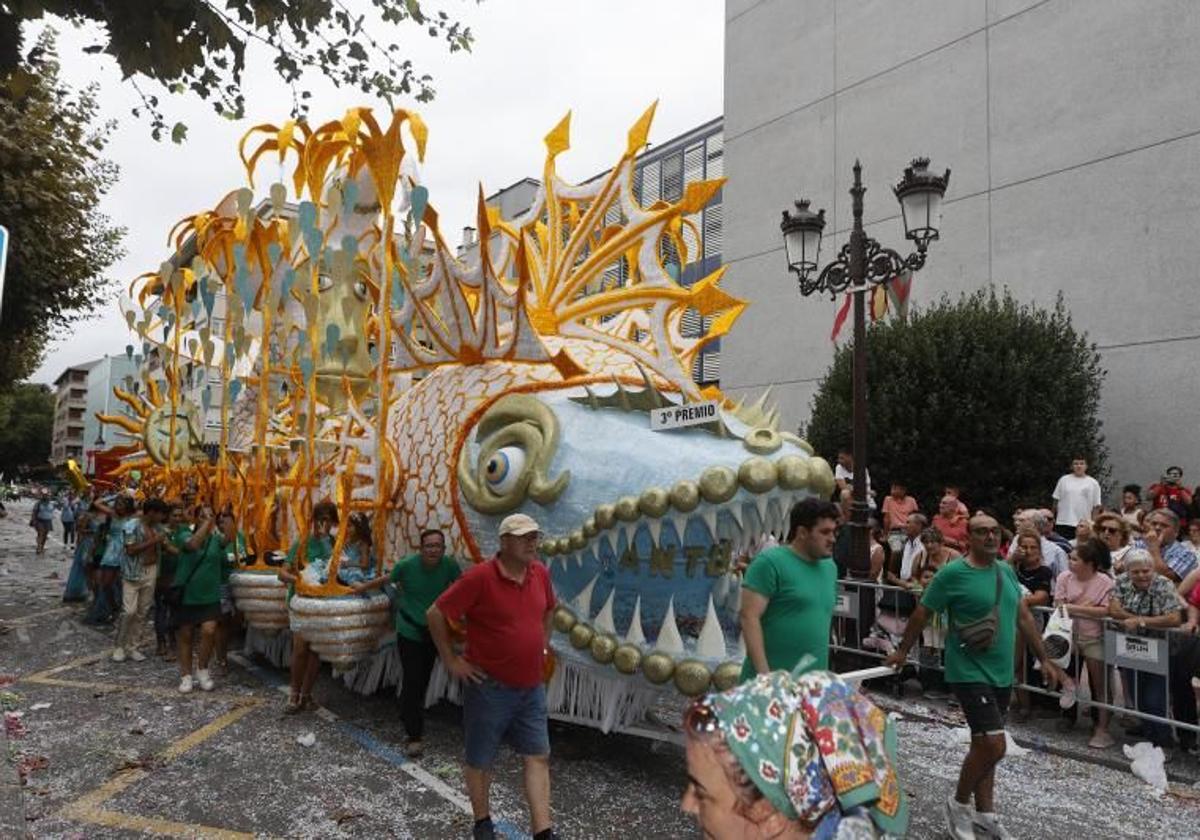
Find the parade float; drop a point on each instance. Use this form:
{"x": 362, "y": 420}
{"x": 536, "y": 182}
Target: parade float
{"x": 361, "y": 360}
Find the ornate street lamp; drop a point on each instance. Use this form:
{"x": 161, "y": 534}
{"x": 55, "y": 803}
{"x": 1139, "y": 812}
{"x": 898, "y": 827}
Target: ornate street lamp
{"x": 861, "y": 264}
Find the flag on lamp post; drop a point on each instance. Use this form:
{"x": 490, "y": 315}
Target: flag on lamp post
{"x": 893, "y": 294}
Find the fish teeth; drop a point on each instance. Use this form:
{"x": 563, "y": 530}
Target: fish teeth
{"x": 711, "y": 643}
{"x": 655, "y": 527}
{"x": 635, "y": 635}
{"x": 709, "y": 516}
{"x": 737, "y": 513}
{"x": 761, "y": 504}
{"x": 669, "y": 640}
{"x": 679, "y": 523}
{"x": 751, "y": 518}
{"x": 603, "y": 621}
{"x": 777, "y": 514}
{"x": 628, "y": 529}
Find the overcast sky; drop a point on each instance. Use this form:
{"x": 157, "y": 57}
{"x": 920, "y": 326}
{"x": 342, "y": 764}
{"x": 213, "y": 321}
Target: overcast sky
{"x": 605, "y": 60}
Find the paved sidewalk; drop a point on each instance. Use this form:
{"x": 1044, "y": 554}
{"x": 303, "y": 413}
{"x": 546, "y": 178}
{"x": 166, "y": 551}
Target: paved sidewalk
{"x": 12, "y": 799}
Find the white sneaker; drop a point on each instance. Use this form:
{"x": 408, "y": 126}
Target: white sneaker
{"x": 137, "y": 656}
{"x": 204, "y": 680}
{"x": 960, "y": 820}
{"x": 118, "y": 655}
{"x": 185, "y": 684}
{"x": 989, "y": 826}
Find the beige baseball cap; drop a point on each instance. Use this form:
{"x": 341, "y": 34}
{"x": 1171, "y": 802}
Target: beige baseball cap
{"x": 518, "y": 524}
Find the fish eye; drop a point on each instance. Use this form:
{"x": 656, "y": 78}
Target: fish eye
{"x": 324, "y": 282}
{"x": 504, "y": 468}
{"x": 360, "y": 289}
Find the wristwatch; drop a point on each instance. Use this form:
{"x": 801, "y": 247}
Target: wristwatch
{"x": 1142, "y": 625}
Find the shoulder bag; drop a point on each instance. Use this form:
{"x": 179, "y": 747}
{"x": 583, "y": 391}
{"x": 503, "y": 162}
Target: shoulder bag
{"x": 977, "y": 636}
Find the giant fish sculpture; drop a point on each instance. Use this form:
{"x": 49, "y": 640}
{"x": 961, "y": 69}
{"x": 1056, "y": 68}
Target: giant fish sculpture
{"x": 521, "y": 379}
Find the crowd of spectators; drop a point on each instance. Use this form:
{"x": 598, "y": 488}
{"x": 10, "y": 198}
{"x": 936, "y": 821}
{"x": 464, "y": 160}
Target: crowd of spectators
{"x": 1134, "y": 566}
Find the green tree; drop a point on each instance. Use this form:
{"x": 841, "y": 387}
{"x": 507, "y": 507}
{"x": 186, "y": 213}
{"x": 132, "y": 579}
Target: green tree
{"x": 200, "y": 46}
{"x": 52, "y": 177}
{"x": 982, "y": 392}
{"x": 26, "y": 422}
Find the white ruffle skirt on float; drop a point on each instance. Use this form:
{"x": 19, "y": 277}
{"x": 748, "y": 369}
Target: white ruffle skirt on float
{"x": 261, "y": 597}
{"x": 341, "y": 630}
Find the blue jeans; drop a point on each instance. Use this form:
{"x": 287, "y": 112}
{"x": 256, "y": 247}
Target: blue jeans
{"x": 495, "y": 713}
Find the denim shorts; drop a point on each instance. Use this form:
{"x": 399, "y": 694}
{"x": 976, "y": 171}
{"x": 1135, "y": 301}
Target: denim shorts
{"x": 495, "y": 713}
{"x": 984, "y": 706}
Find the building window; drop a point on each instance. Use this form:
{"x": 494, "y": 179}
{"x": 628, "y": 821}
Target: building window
{"x": 672, "y": 177}
{"x": 715, "y": 166}
{"x": 649, "y": 186}
{"x": 712, "y": 231}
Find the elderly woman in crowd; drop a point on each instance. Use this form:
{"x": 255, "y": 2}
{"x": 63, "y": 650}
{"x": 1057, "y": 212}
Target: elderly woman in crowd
{"x": 1114, "y": 530}
{"x": 937, "y": 553}
{"x": 788, "y": 757}
{"x": 1083, "y": 531}
{"x": 1085, "y": 589}
{"x": 1143, "y": 599}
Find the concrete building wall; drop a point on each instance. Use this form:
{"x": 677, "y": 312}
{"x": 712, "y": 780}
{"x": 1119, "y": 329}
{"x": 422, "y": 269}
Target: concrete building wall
{"x": 1073, "y": 131}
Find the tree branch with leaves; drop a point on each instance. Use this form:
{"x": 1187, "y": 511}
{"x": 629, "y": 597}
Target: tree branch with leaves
{"x": 201, "y": 47}
{"x": 53, "y": 174}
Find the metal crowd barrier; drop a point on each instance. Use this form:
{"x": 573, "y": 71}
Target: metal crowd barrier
{"x": 864, "y": 626}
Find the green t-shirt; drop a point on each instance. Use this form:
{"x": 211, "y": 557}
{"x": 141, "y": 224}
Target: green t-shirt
{"x": 319, "y": 548}
{"x": 967, "y": 593}
{"x": 233, "y": 557}
{"x": 801, "y": 596}
{"x": 171, "y": 562}
{"x": 199, "y": 572}
{"x": 419, "y": 588}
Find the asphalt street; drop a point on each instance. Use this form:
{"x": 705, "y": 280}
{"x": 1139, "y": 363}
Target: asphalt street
{"x": 109, "y": 750}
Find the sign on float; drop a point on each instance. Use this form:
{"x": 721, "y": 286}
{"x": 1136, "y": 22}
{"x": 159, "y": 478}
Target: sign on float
{"x": 679, "y": 416}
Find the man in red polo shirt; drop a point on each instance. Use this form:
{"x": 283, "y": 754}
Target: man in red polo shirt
{"x": 506, "y": 603}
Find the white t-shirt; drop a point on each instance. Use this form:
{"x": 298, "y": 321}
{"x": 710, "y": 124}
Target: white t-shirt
{"x": 842, "y": 474}
{"x": 1077, "y": 497}
{"x": 914, "y": 549}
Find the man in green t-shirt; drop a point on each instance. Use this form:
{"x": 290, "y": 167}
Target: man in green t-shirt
{"x": 419, "y": 580}
{"x": 789, "y": 593}
{"x": 971, "y": 588}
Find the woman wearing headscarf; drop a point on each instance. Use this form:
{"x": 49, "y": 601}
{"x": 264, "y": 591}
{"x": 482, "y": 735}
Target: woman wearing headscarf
{"x": 792, "y": 757}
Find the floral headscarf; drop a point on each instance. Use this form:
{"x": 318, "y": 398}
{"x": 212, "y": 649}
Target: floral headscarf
{"x": 819, "y": 751}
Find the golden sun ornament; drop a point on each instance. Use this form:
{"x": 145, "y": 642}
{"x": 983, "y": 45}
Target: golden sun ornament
{"x": 169, "y": 434}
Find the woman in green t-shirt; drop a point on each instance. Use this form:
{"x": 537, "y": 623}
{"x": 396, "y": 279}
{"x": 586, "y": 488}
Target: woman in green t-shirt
{"x": 305, "y": 662}
{"x": 198, "y": 574}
